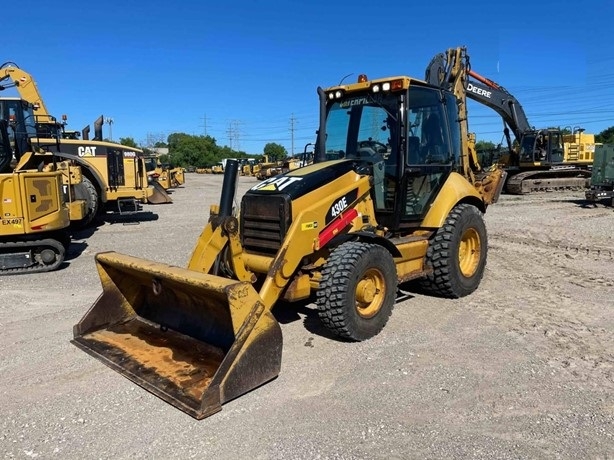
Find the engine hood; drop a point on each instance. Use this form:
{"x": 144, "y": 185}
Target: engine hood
{"x": 299, "y": 182}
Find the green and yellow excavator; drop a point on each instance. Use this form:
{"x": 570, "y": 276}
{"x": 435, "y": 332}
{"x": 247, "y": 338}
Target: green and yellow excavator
{"x": 538, "y": 159}
{"x": 394, "y": 194}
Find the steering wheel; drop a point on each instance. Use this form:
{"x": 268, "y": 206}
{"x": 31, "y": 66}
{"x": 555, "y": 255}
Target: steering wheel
{"x": 377, "y": 147}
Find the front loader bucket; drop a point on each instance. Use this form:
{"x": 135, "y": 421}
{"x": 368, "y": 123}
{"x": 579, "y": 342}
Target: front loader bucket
{"x": 195, "y": 340}
{"x": 157, "y": 194}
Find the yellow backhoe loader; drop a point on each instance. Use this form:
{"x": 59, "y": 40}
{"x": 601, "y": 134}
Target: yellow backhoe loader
{"x": 394, "y": 194}
{"x": 114, "y": 175}
{"x": 33, "y": 216}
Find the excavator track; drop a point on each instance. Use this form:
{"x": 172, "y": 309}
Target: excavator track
{"x": 34, "y": 256}
{"x": 548, "y": 181}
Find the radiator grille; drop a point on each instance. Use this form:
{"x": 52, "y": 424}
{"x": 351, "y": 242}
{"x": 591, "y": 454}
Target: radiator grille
{"x": 264, "y": 222}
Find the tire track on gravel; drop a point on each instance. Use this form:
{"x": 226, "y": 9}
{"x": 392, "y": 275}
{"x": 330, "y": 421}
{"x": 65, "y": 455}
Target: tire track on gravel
{"x": 562, "y": 302}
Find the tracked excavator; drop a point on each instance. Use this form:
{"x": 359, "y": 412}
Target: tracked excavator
{"x": 541, "y": 159}
{"x": 33, "y": 216}
{"x": 20, "y": 117}
{"x": 394, "y": 195}
{"x": 114, "y": 175}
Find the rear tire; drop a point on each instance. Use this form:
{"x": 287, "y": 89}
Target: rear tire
{"x": 357, "y": 290}
{"x": 457, "y": 254}
{"x": 86, "y": 191}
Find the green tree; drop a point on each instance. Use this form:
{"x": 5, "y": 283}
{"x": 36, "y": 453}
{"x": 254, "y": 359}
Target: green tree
{"x": 606, "y": 136}
{"x": 275, "y": 152}
{"x": 128, "y": 141}
{"x": 481, "y": 146}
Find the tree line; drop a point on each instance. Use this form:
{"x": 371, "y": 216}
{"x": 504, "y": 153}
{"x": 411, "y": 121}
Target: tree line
{"x": 187, "y": 150}
{"x": 203, "y": 151}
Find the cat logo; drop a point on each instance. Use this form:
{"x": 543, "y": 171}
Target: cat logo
{"x": 276, "y": 183}
{"x": 86, "y": 151}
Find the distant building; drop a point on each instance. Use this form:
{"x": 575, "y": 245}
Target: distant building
{"x": 160, "y": 150}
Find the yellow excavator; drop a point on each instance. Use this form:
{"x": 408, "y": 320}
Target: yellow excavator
{"x": 25, "y": 157}
{"x": 395, "y": 194}
{"x": 114, "y": 175}
{"x": 33, "y": 216}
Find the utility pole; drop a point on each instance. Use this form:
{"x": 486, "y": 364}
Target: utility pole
{"x": 237, "y": 135}
{"x": 230, "y": 133}
{"x": 109, "y": 121}
{"x": 205, "y": 123}
{"x": 292, "y": 121}
{"x": 233, "y": 134}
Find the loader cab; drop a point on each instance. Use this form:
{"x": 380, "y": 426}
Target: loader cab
{"x": 407, "y": 139}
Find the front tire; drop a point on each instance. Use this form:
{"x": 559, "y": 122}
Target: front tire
{"x": 86, "y": 191}
{"x": 457, "y": 254}
{"x": 357, "y": 290}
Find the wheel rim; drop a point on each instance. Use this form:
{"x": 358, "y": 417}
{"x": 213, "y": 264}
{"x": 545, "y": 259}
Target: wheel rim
{"x": 469, "y": 252}
{"x": 370, "y": 293}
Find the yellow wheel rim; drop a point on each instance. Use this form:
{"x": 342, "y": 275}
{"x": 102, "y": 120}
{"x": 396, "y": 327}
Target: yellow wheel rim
{"x": 469, "y": 252}
{"x": 370, "y": 293}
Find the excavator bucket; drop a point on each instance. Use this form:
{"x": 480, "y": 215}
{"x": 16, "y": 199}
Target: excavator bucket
{"x": 193, "y": 339}
{"x": 159, "y": 195}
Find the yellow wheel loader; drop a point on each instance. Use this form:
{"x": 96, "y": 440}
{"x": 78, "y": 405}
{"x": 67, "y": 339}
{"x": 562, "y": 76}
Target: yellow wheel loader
{"x": 165, "y": 176}
{"x": 392, "y": 196}
{"x": 33, "y": 216}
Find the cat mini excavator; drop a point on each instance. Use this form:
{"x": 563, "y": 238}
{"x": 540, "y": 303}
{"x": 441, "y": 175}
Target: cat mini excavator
{"x": 33, "y": 216}
{"x": 20, "y": 117}
{"x": 113, "y": 175}
{"x": 394, "y": 194}
{"x": 543, "y": 159}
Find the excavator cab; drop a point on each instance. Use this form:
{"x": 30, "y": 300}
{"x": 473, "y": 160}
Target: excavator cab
{"x": 544, "y": 147}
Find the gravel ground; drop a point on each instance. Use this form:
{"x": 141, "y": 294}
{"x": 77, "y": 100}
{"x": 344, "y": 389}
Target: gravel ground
{"x": 522, "y": 368}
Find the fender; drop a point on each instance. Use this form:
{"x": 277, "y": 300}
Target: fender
{"x": 92, "y": 174}
{"x": 456, "y": 189}
{"x": 367, "y": 237}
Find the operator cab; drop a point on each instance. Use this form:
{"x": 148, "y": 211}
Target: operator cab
{"x": 19, "y": 115}
{"x": 405, "y": 137}
{"x": 542, "y": 147}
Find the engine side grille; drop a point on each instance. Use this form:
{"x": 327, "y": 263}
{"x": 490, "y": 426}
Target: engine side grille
{"x": 264, "y": 222}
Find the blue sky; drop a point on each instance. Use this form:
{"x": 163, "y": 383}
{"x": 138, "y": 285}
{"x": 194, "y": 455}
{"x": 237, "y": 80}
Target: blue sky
{"x": 246, "y": 72}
